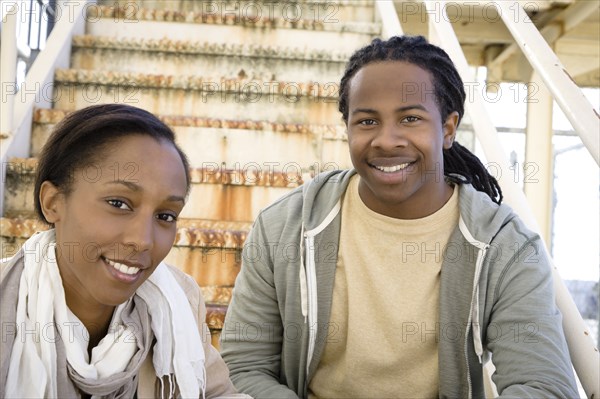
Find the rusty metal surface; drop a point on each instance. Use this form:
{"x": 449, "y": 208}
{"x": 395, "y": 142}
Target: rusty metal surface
{"x": 218, "y": 295}
{"x": 147, "y": 14}
{"x": 53, "y": 116}
{"x": 208, "y": 266}
{"x": 217, "y": 175}
{"x": 166, "y": 45}
{"x": 235, "y": 84}
{"x": 196, "y": 233}
{"x": 215, "y": 316}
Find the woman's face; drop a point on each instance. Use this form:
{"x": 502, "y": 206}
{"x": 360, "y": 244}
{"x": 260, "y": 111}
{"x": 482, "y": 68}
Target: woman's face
{"x": 118, "y": 222}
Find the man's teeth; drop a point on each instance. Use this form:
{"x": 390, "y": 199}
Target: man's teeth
{"x": 391, "y": 169}
{"x": 122, "y": 268}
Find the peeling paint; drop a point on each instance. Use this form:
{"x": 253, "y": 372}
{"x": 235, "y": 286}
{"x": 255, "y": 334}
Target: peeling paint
{"x": 194, "y": 82}
{"x": 230, "y": 19}
{"x": 205, "y": 48}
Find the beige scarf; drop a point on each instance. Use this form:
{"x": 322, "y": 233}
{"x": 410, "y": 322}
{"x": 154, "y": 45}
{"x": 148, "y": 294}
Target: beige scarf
{"x": 49, "y": 337}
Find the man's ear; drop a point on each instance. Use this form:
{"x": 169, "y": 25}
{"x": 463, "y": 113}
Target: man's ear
{"x": 449, "y": 128}
{"x": 50, "y": 201}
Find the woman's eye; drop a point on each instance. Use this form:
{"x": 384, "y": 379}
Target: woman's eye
{"x": 167, "y": 217}
{"x": 119, "y": 204}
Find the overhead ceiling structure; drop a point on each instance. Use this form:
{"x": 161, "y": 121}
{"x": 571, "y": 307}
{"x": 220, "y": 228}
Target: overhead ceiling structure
{"x": 571, "y": 27}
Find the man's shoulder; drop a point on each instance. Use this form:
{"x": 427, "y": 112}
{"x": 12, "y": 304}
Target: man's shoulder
{"x": 320, "y": 195}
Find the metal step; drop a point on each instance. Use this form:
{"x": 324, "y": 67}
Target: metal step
{"x": 210, "y": 141}
{"x": 217, "y": 193}
{"x": 252, "y": 10}
{"x": 229, "y": 28}
{"x": 169, "y": 57}
{"x": 200, "y": 96}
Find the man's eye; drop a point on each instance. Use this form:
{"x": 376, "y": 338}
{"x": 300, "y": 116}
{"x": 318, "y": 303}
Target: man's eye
{"x": 167, "y": 217}
{"x": 368, "y": 122}
{"x": 412, "y": 119}
{"x": 118, "y": 204}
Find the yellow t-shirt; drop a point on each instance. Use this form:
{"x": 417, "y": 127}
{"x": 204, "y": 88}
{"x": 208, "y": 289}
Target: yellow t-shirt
{"x": 384, "y": 330}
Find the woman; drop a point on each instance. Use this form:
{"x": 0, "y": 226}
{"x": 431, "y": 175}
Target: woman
{"x": 89, "y": 307}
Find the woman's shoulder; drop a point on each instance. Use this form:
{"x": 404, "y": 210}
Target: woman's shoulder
{"x": 185, "y": 281}
{"x": 190, "y": 287}
{"x": 11, "y": 264}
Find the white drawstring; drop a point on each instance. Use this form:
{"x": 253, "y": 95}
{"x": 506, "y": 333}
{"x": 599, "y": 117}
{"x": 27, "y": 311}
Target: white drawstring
{"x": 474, "y": 316}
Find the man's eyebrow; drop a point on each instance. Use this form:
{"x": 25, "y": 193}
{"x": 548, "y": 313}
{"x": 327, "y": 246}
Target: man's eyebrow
{"x": 176, "y": 198}
{"x": 401, "y": 109}
{"x": 412, "y": 106}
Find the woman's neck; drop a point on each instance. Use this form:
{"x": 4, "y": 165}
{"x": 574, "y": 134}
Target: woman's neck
{"x": 96, "y": 319}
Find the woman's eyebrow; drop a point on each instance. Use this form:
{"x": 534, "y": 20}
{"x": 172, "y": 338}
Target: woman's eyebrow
{"x": 129, "y": 184}
{"x": 137, "y": 188}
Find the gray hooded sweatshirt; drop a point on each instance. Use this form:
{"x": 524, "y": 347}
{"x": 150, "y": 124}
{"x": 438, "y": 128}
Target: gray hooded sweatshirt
{"x": 496, "y": 299}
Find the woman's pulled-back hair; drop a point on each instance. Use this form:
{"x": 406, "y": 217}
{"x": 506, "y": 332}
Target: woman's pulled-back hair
{"x": 449, "y": 95}
{"x": 83, "y": 136}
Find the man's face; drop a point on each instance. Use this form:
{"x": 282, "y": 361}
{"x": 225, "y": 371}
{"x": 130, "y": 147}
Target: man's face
{"x": 396, "y": 137}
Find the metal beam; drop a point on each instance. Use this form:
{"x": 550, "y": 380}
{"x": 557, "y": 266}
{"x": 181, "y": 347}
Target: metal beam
{"x": 564, "y": 22}
{"x": 584, "y": 119}
{"x": 389, "y": 18}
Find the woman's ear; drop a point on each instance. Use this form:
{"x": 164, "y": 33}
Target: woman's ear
{"x": 50, "y": 201}
{"x": 450, "y": 126}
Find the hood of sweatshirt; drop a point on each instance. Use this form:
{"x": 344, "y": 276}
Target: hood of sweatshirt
{"x": 480, "y": 215}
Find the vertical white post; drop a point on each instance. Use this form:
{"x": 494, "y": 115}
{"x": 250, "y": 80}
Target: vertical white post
{"x": 8, "y": 68}
{"x": 537, "y": 171}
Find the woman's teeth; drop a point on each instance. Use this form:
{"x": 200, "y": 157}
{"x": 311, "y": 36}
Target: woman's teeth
{"x": 123, "y": 268}
{"x": 391, "y": 169}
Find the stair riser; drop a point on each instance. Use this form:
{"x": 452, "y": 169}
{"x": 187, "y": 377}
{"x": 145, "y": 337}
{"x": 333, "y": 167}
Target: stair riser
{"x": 208, "y": 65}
{"x": 332, "y": 40}
{"x": 206, "y": 201}
{"x": 230, "y": 203}
{"x": 324, "y": 11}
{"x": 209, "y": 146}
{"x": 208, "y": 266}
{"x": 259, "y": 105}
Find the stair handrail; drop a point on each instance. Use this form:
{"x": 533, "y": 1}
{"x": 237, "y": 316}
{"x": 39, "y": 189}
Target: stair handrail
{"x": 583, "y": 352}
{"x": 8, "y": 68}
{"x": 34, "y": 90}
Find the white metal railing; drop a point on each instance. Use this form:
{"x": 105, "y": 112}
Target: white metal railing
{"x": 36, "y": 90}
{"x": 584, "y": 354}
{"x": 8, "y": 67}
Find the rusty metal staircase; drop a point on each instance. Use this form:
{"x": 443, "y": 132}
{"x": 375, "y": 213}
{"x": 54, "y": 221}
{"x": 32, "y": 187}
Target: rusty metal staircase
{"x": 250, "y": 90}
